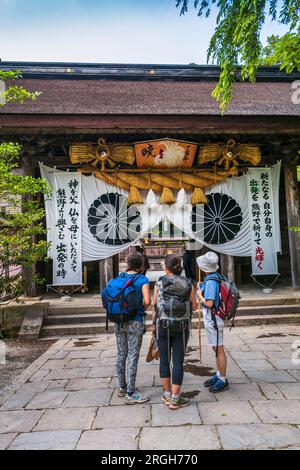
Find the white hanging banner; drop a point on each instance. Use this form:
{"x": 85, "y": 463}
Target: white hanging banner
{"x": 262, "y": 222}
{"x": 223, "y": 223}
{"x": 67, "y": 265}
{"x": 108, "y": 225}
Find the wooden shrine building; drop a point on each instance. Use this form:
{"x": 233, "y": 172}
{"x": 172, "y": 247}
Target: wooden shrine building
{"x": 126, "y": 104}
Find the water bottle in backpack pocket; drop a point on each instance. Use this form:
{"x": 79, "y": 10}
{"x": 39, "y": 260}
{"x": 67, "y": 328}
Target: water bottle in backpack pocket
{"x": 120, "y": 299}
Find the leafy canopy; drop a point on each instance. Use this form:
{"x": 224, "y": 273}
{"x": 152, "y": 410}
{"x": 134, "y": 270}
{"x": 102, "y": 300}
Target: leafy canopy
{"x": 236, "y": 44}
{"x": 15, "y": 93}
{"x": 21, "y": 217}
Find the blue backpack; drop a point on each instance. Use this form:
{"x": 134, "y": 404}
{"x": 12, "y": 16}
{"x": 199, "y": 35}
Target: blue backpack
{"x": 120, "y": 299}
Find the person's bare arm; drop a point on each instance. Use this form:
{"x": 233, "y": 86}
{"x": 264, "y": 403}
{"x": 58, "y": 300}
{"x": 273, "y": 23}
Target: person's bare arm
{"x": 206, "y": 303}
{"x": 193, "y": 299}
{"x": 146, "y": 296}
{"x": 154, "y": 299}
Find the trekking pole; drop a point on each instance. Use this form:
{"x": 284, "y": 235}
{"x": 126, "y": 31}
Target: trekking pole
{"x": 199, "y": 316}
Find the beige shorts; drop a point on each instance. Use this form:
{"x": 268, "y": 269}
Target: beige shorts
{"x": 210, "y": 329}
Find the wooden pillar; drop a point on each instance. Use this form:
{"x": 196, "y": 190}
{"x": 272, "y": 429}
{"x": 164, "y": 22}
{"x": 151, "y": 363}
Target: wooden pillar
{"x": 116, "y": 267}
{"x": 293, "y": 218}
{"x": 28, "y": 273}
{"x": 105, "y": 271}
{"x": 227, "y": 266}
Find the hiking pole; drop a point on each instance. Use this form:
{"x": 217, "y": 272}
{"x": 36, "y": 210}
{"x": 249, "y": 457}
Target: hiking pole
{"x": 199, "y": 316}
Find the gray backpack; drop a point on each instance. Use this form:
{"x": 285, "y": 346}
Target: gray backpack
{"x": 173, "y": 307}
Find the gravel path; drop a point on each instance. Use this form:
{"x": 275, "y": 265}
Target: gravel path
{"x": 19, "y": 355}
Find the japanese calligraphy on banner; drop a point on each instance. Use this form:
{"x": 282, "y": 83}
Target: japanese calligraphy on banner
{"x": 67, "y": 265}
{"x": 238, "y": 219}
{"x": 262, "y": 221}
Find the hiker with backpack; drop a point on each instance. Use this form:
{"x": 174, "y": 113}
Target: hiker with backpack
{"x": 219, "y": 298}
{"x": 173, "y": 303}
{"x": 126, "y": 298}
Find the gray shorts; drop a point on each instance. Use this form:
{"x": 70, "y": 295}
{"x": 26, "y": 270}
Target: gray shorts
{"x": 210, "y": 329}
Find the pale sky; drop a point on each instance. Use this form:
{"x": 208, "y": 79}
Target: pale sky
{"x": 116, "y": 31}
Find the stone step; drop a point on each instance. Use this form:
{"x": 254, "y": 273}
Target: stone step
{"x": 75, "y": 319}
{"x": 244, "y": 302}
{"x": 98, "y": 328}
{"x": 94, "y": 316}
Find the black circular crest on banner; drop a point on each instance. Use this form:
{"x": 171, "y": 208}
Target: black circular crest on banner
{"x": 218, "y": 221}
{"x": 112, "y": 222}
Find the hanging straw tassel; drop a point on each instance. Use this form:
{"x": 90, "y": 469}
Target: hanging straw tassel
{"x": 134, "y": 196}
{"x": 167, "y": 196}
{"x": 198, "y": 197}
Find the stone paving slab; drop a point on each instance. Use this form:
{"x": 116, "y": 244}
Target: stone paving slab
{"x": 47, "y": 399}
{"x": 162, "y": 416}
{"x": 57, "y": 384}
{"x": 180, "y": 438}
{"x": 67, "y": 398}
{"x": 46, "y": 440}
{"x": 101, "y": 371}
{"x": 18, "y": 400}
{"x": 274, "y": 411}
{"x": 18, "y": 421}
{"x": 294, "y": 373}
{"x": 258, "y": 436}
{"x": 122, "y": 417}
{"x": 240, "y": 392}
{"x": 113, "y": 439}
{"x": 270, "y": 391}
{"x": 87, "y": 398}
{"x": 238, "y": 412}
{"x": 290, "y": 390}
{"x": 271, "y": 376}
{"x": 86, "y": 384}
{"x": 61, "y": 374}
{"x": 67, "y": 418}
{"x": 6, "y": 440}
{"x": 255, "y": 364}
{"x": 285, "y": 363}
{"x": 35, "y": 387}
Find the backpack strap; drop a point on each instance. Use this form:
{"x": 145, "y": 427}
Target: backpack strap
{"x": 218, "y": 278}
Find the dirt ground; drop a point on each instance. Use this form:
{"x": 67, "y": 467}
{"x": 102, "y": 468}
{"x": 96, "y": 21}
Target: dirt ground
{"x": 19, "y": 355}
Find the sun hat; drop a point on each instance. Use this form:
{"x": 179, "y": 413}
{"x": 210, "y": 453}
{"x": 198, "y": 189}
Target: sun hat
{"x": 208, "y": 262}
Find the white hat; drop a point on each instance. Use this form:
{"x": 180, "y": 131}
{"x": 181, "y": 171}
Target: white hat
{"x": 208, "y": 262}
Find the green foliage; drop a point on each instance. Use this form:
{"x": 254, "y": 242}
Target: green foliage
{"x": 236, "y": 43}
{"x": 284, "y": 51}
{"x": 21, "y": 224}
{"x": 15, "y": 93}
{"x": 21, "y": 217}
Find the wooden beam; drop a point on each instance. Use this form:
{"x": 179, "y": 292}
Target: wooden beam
{"x": 293, "y": 217}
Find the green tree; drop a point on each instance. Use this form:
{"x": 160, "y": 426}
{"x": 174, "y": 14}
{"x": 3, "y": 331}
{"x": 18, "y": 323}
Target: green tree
{"x": 21, "y": 217}
{"x": 14, "y": 93}
{"x": 236, "y": 44}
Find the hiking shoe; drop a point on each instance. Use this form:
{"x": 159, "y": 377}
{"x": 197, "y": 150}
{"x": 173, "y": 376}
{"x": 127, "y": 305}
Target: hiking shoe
{"x": 178, "y": 403}
{"x": 211, "y": 382}
{"x": 166, "y": 399}
{"x": 122, "y": 392}
{"x": 135, "y": 398}
{"x": 219, "y": 386}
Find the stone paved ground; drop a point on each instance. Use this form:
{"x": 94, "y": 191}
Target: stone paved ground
{"x": 67, "y": 398}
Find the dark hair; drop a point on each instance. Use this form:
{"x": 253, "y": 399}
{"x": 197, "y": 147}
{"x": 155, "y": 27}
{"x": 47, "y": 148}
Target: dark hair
{"x": 139, "y": 249}
{"x": 135, "y": 262}
{"x": 173, "y": 264}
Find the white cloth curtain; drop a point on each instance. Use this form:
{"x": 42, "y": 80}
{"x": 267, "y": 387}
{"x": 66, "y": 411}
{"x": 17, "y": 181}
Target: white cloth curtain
{"x": 109, "y": 227}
